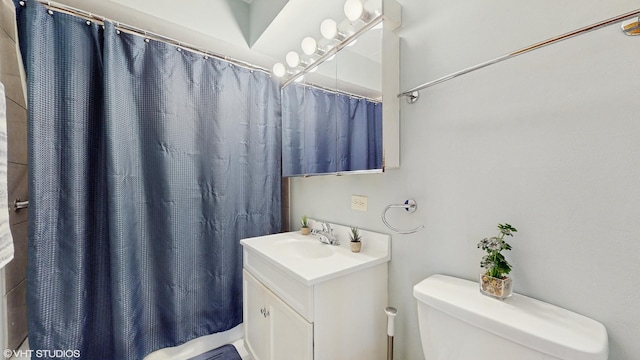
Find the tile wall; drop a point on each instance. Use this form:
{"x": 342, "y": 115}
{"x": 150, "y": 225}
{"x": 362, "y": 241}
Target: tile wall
{"x": 14, "y": 290}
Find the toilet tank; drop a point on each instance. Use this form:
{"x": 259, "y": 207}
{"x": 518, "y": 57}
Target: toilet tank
{"x": 458, "y": 323}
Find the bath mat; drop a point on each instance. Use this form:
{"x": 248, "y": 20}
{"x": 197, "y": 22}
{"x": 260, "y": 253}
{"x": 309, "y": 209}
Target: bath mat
{"x": 225, "y": 352}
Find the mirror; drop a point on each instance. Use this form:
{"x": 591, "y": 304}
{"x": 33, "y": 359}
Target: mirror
{"x": 332, "y": 121}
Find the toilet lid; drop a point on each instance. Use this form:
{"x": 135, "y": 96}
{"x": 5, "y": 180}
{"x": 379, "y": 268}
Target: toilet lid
{"x": 538, "y": 325}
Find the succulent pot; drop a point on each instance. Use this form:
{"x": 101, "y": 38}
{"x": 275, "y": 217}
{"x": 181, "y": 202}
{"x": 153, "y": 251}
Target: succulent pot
{"x": 356, "y": 246}
{"x": 305, "y": 230}
{"x": 500, "y": 288}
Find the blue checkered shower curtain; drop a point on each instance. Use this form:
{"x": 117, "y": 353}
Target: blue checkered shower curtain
{"x": 147, "y": 165}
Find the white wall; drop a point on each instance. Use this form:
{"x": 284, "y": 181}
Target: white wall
{"x": 548, "y": 142}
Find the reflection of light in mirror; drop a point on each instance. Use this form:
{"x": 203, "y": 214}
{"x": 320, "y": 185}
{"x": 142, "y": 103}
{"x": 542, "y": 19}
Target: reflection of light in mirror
{"x": 299, "y": 79}
{"x": 353, "y": 9}
{"x": 293, "y": 59}
{"x": 309, "y": 45}
{"x": 377, "y": 27}
{"x": 329, "y": 29}
{"x": 330, "y": 58}
{"x": 353, "y": 42}
{"x": 279, "y": 70}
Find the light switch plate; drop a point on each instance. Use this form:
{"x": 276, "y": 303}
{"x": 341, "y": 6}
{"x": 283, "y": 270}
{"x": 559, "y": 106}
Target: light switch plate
{"x": 359, "y": 202}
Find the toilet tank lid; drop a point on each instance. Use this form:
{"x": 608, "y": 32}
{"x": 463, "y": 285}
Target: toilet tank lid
{"x": 529, "y": 322}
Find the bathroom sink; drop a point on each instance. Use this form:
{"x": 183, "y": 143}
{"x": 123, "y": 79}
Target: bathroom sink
{"x": 306, "y": 249}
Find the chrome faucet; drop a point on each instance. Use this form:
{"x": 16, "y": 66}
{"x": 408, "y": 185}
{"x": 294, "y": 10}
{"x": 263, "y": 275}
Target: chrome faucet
{"x": 326, "y": 235}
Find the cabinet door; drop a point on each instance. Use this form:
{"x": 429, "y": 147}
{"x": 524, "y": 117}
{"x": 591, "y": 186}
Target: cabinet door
{"x": 290, "y": 335}
{"x": 255, "y": 322}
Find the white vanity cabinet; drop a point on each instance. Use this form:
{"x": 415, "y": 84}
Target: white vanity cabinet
{"x": 273, "y": 330}
{"x": 307, "y": 300}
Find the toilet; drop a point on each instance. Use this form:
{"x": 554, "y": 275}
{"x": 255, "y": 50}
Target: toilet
{"x": 458, "y": 323}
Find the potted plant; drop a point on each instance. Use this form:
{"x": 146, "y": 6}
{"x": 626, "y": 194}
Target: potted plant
{"x": 494, "y": 281}
{"x": 304, "y": 225}
{"x": 355, "y": 237}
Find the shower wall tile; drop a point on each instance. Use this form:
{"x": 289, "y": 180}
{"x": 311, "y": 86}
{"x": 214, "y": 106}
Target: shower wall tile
{"x": 17, "y": 142}
{"x": 8, "y": 18}
{"x": 16, "y": 270}
{"x": 10, "y": 68}
{"x": 16, "y": 112}
{"x": 17, "y": 315}
{"x": 13, "y": 88}
{"x": 8, "y": 57}
{"x": 18, "y": 188}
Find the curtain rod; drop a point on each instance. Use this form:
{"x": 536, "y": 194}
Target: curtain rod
{"x": 338, "y": 92}
{"x": 51, "y": 5}
{"x": 413, "y": 94}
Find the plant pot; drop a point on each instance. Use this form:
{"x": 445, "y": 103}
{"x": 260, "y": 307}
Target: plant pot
{"x": 500, "y": 288}
{"x": 356, "y": 246}
{"x": 305, "y": 230}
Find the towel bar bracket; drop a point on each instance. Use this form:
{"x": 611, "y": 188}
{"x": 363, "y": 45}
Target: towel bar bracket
{"x": 17, "y": 205}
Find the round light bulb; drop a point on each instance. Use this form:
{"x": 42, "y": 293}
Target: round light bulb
{"x": 353, "y": 9}
{"x": 293, "y": 59}
{"x": 329, "y": 29}
{"x": 279, "y": 70}
{"x": 309, "y": 45}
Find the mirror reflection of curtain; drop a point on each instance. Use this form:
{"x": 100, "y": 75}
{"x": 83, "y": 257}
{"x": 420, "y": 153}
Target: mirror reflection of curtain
{"x": 320, "y": 136}
{"x": 293, "y": 130}
{"x": 325, "y": 132}
{"x": 147, "y": 166}
{"x": 359, "y": 134}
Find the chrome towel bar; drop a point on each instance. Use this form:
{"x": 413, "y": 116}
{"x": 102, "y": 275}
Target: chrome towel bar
{"x": 17, "y": 205}
{"x": 412, "y": 95}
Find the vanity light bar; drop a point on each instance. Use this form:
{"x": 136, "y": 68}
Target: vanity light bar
{"x": 332, "y": 52}
{"x": 355, "y": 13}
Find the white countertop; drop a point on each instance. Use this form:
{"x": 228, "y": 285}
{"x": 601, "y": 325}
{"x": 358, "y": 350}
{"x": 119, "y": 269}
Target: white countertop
{"x": 297, "y": 254}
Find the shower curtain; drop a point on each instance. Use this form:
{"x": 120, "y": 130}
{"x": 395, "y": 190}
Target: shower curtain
{"x": 148, "y": 164}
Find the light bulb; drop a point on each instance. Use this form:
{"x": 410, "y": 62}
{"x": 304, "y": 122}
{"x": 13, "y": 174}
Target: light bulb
{"x": 293, "y": 59}
{"x": 279, "y": 70}
{"x": 353, "y": 9}
{"x": 309, "y": 45}
{"x": 329, "y": 29}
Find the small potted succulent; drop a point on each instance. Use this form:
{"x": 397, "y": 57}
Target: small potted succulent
{"x": 355, "y": 237}
{"x": 494, "y": 280}
{"x": 304, "y": 225}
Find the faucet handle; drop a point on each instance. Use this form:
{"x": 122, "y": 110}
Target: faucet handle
{"x": 326, "y": 227}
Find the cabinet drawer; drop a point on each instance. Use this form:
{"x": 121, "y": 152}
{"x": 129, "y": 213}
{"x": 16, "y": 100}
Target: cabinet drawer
{"x": 293, "y": 292}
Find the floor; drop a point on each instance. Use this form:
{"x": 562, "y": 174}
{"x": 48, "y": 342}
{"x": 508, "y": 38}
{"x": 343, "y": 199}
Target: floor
{"x": 23, "y": 353}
